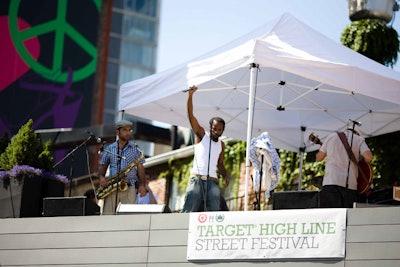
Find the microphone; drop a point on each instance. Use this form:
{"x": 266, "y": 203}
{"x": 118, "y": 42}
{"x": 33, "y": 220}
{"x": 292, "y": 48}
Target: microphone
{"x": 98, "y": 139}
{"x": 356, "y": 122}
{"x": 190, "y": 89}
{"x": 102, "y": 147}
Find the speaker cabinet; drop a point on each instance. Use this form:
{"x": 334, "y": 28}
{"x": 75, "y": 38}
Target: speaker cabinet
{"x": 295, "y": 200}
{"x": 64, "y": 206}
{"x": 396, "y": 193}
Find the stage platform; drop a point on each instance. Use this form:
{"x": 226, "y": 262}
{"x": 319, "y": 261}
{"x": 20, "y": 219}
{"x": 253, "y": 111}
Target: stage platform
{"x": 160, "y": 240}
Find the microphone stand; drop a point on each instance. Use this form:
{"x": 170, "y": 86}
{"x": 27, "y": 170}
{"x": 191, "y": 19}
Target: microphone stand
{"x": 118, "y": 178}
{"x": 208, "y": 175}
{"x": 258, "y": 196}
{"x": 72, "y": 155}
{"x": 257, "y": 203}
{"x": 351, "y": 151}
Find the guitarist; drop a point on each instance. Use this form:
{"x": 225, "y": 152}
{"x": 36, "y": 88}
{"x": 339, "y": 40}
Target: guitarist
{"x": 340, "y": 182}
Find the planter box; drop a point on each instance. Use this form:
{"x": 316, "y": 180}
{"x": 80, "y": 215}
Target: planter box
{"x": 31, "y": 201}
{"x": 26, "y": 200}
{"x": 10, "y": 200}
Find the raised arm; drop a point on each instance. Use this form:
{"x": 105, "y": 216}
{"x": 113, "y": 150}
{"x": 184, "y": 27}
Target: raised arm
{"x": 197, "y": 129}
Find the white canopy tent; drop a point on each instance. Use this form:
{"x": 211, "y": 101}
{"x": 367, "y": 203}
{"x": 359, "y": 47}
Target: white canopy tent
{"x": 284, "y": 78}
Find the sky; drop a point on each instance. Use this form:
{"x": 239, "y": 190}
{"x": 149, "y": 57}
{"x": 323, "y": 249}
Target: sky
{"x": 189, "y": 29}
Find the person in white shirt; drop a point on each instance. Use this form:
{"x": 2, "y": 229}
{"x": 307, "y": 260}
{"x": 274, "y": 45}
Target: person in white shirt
{"x": 340, "y": 179}
{"x": 145, "y": 195}
{"x": 208, "y": 162}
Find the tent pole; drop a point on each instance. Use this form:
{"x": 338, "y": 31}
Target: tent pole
{"x": 302, "y": 149}
{"x": 299, "y": 185}
{"x": 121, "y": 115}
{"x": 253, "y": 73}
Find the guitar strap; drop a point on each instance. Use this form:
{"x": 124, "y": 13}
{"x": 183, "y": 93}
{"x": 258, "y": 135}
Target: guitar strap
{"x": 351, "y": 154}
{"x": 347, "y": 146}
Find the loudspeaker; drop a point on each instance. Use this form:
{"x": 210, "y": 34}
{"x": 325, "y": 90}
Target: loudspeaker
{"x": 295, "y": 200}
{"x": 396, "y": 193}
{"x": 140, "y": 208}
{"x": 64, "y": 206}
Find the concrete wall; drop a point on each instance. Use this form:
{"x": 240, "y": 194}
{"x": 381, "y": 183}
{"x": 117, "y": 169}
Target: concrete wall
{"x": 160, "y": 240}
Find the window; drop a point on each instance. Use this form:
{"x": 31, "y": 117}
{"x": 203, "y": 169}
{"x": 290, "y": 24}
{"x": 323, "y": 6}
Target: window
{"x": 145, "y": 7}
{"x": 137, "y": 54}
{"x": 112, "y": 73}
{"x": 110, "y": 101}
{"x": 127, "y": 74}
{"x": 139, "y": 28}
{"x": 116, "y": 22}
{"x": 114, "y": 48}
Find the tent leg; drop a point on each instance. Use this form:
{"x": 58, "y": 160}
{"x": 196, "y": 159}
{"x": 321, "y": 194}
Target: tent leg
{"x": 253, "y": 73}
{"x": 300, "y": 171}
{"x": 121, "y": 115}
{"x": 302, "y": 149}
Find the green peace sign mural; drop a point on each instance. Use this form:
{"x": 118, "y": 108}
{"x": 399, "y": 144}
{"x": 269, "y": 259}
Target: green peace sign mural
{"x": 62, "y": 30}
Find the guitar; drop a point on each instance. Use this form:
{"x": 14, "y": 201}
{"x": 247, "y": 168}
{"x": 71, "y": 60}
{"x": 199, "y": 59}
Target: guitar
{"x": 365, "y": 172}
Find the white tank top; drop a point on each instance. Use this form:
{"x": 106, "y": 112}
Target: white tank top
{"x": 200, "y": 163}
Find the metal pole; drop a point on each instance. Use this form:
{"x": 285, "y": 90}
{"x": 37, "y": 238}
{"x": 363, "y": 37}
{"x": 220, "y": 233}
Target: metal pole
{"x": 253, "y": 72}
{"x": 301, "y": 150}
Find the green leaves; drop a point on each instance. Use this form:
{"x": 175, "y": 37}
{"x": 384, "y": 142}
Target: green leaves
{"x": 26, "y": 148}
{"x": 373, "y": 39}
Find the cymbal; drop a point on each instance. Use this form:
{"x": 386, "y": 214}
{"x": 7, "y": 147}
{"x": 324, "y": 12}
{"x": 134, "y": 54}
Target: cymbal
{"x": 317, "y": 181}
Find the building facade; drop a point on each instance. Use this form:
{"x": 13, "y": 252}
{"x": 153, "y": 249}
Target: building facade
{"x": 63, "y": 63}
{"x": 132, "y": 50}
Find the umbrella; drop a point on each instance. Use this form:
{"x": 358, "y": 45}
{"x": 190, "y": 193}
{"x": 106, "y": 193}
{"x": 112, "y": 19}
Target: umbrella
{"x": 284, "y": 78}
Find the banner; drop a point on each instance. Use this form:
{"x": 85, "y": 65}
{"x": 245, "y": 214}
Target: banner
{"x": 48, "y": 66}
{"x": 272, "y": 235}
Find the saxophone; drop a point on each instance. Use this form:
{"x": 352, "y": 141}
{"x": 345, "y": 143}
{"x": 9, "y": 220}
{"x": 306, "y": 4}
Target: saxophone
{"x": 103, "y": 192}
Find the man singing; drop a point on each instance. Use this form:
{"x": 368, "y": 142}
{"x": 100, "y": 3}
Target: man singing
{"x": 203, "y": 186}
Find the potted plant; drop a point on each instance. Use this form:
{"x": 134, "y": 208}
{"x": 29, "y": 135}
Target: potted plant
{"x": 373, "y": 39}
{"x": 27, "y": 174}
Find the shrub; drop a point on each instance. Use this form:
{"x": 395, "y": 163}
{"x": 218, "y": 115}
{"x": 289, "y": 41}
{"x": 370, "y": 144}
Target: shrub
{"x": 26, "y": 148}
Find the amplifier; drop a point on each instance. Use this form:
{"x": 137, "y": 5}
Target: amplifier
{"x": 64, "y": 206}
{"x": 295, "y": 200}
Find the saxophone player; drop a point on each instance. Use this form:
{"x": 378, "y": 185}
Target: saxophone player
{"x": 123, "y": 157}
